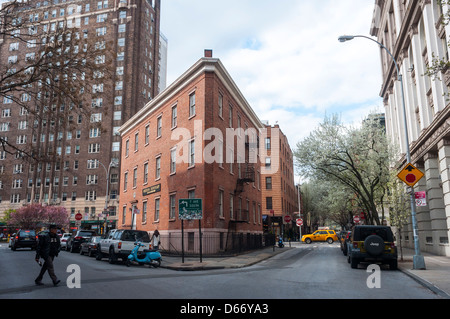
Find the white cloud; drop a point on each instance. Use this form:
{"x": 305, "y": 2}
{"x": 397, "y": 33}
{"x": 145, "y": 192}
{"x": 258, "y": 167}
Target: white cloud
{"x": 284, "y": 55}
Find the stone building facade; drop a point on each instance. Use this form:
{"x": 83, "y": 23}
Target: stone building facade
{"x": 415, "y": 33}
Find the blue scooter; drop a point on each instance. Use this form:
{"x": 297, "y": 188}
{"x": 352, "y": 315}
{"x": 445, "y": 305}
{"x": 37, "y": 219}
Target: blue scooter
{"x": 149, "y": 257}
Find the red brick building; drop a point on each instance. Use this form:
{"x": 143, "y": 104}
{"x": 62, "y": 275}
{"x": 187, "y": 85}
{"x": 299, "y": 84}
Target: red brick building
{"x": 197, "y": 139}
{"x": 279, "y": 194}
{"x": 77, "y": 177}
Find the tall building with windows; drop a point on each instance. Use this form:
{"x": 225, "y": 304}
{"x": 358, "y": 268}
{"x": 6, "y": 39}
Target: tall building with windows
{"x": 279, "y": 194}
{"x": 417, "y": 34}
{"x": 84, "y": 177}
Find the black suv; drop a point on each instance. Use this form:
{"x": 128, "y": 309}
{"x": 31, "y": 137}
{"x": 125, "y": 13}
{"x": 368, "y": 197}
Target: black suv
{"x": 74, "y": 242}
{"x": 372, "y": 244}
{"x": 24, "y": 238}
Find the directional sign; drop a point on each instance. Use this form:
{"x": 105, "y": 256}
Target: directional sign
{"x": 410, "y": 175}
{"x": 190, "y": 209}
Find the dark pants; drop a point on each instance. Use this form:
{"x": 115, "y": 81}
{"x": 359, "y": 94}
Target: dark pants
{"x": 48, "y": 266}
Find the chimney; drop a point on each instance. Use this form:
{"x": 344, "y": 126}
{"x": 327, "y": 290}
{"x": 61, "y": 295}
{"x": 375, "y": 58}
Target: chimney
{"x": 208, "y": 53}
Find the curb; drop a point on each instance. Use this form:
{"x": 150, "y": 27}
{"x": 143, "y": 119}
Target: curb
{"x": 425, "y": 283}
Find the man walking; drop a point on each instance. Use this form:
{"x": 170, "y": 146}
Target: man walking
{"x": 48, "y": 248}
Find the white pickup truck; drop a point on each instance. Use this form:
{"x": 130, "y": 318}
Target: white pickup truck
{"x": 118, "y": 243}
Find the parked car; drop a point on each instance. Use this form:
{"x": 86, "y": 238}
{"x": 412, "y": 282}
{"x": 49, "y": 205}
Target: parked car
{"x": 89, "y": 246}
{"x": 64, "y": 238}
{"x": 23, "y": 238}
{"x": 119, "y": 243}
{"x": 320, "y": 235}
{"x": 371, "y": 243}
{"x": 74, "y": 242}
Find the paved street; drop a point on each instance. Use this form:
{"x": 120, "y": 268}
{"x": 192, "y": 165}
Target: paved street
{"x": 317, "y": 271}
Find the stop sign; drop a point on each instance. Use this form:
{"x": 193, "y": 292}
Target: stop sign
{"x": 287, "y": 219}
{"x": 78, "y": 216}
{"x": 299, "y": 222}
{"x": 356, "y": 219}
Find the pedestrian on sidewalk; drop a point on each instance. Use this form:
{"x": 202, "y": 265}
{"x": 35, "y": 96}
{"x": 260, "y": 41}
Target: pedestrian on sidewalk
{"x": 48, "y": 248}
{"x": 155, "y": 240}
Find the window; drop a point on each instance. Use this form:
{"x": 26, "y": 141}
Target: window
{"x": 221, "y": 203}
{"x": 220, "y": 105}
{"x": 145, "y": 173}
{"x": 136, "y": 142}
{"x": 268, "y": 182}
{"x": 158, "y": 168}
{"x": 267, "y": 143}
{"x": 174, "y": 116}
{"x": 173, "y": 161}
{"x": 269, "y": 203}
{"x": 147, "y": 134}
{"x": 192, "y": 104}
{"x": 144, "y": 212}
{"x": 127, "y": 147}
{"x": 115, "y": 147}
{"x": 134, "y": 177}
{"x": 102, "y": 17}
{"x": 90, "y": 195}
{"x": 231, "y": 206}
{"x": 172, "y": 212}
{"x": 159, "y": 126}
{"x": 192, "y": 153}
{"x": 125, "y": 181}
{"x": 94, "y": 148}
{"x": 157, "y": 201}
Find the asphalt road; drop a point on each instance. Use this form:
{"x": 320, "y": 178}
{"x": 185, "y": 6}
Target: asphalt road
{"x": 317, "y": 271}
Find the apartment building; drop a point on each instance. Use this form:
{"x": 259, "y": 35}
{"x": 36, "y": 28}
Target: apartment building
{"x": 84, "y": 173}
{"x": 279, "y": 193}
{"x": 417, "y": 34}
{"x": 198, "y": 139}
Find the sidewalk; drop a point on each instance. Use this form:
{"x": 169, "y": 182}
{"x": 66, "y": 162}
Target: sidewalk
{"x": 208, "y": 263}
{"x": 435, "y": 277}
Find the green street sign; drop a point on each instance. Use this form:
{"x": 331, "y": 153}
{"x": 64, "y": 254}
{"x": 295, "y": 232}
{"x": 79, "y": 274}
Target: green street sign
{"x": 190, "y": 209}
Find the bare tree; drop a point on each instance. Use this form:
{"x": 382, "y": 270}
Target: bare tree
{"x": 55, "y": 81}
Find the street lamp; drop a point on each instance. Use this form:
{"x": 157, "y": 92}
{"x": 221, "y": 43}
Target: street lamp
{"x": 113, "y": 163}
{"x": 418, "y": 261}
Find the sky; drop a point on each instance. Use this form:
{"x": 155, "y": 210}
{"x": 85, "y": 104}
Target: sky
{"x": 283, "y": 55}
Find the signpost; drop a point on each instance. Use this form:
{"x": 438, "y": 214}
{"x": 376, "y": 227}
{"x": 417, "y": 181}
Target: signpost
{"x": 190, "y": 209}
{"x": 299, "y": 223}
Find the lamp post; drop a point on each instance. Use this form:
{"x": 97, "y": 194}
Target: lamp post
{"x": 418, "y": 261}
{"x": 113, "y": 163}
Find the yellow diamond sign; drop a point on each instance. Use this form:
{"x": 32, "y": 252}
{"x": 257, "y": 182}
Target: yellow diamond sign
{"x": 410, "y": 175}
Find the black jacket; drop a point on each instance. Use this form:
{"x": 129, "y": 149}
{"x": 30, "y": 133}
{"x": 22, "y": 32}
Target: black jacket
{"x": 48, "y": 245}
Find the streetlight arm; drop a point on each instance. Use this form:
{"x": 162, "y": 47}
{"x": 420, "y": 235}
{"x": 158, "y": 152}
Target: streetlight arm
{"x": 345, "y": 38}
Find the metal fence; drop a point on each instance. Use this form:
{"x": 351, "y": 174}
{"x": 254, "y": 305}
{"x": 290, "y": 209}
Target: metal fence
{"x": 214, "y": 244}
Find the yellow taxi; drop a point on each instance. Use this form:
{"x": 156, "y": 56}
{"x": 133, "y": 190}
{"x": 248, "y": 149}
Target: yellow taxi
{"x": 320, "y": 235}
